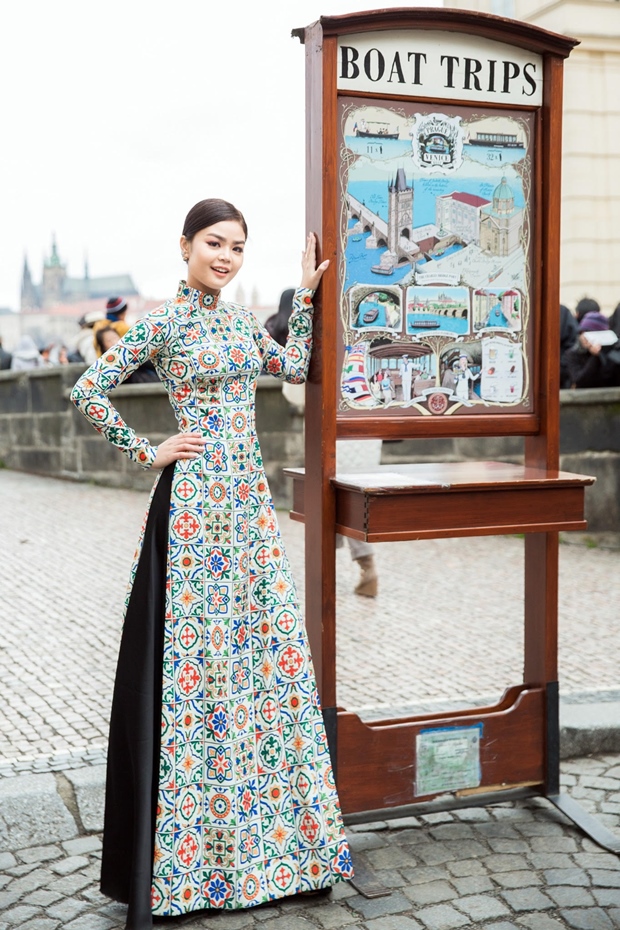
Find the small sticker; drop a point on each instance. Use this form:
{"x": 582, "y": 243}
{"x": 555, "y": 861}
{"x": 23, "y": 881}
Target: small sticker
{"x": 448, "y": 759}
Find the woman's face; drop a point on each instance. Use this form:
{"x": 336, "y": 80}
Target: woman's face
{"x": 215, "y": 255}
{"x": 109, "y": 338}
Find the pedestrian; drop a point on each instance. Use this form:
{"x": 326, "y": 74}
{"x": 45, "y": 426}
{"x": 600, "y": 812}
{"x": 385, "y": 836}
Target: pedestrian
{"x": 26, "y": 355}
{"x": 277, "y": 324}
{"x": 568, "y": 334}
{"x": 84, "y": 348}
{"x": 105, "y": 338}
{"x": 115, "y": 313}
{"x": 614, "y": 321}
{"x": 5, "y": 357}
{"x": 591, "y": 362}
{"x": 586, "y": 305}
{"x": 219, "y": 788}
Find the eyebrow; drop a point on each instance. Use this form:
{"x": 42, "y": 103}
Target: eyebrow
{"x": 223, "y": 239}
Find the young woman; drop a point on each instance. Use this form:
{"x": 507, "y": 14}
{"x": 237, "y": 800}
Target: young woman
{"x": 220, "y": 792}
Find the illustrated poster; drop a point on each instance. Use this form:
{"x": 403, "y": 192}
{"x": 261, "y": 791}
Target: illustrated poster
{"x": 435, "y": 259}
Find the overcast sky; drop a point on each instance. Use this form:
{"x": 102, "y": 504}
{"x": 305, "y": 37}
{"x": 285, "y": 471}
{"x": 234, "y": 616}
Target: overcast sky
{"x": 116, "y": 117}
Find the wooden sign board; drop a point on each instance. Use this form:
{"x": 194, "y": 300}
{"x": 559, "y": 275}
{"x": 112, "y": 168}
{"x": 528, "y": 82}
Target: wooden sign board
{"x": 427, "y": 156}
{"x": 433, "y": 147}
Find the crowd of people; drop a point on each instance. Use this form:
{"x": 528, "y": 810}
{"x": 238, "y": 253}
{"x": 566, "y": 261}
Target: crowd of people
{"x": 589, "y": 346}
{"x": 99, "y": 331}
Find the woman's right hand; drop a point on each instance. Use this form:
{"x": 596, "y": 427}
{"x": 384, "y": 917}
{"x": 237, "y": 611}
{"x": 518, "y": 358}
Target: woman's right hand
{"x": 180, "y": 446}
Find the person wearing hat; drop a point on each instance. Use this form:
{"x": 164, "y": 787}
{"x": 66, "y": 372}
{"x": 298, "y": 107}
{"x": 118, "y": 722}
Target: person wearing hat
{"x": 115, "y": 310}
{"x": 83, "y": 347}
{"x": 464, "y": 379}
{"x": 590, "y": 362}
{"x": 406, "y": 372}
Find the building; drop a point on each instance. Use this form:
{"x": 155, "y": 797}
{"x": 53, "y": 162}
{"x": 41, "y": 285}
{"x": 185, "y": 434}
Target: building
{"x": 500, "y": 222}
{"x": 400, "y": 210}
{"x": 459, "y": 214}
{"x": 57, "y": 287}
{"x": 589, "y": 233}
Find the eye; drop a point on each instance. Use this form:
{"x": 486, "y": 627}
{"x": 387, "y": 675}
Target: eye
{"x": 239, "y": 248}
{"x": 213, "y": 243}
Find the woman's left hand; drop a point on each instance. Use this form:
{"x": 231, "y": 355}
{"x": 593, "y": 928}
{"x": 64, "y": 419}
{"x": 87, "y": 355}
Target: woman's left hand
{"x": 311, "y": 275}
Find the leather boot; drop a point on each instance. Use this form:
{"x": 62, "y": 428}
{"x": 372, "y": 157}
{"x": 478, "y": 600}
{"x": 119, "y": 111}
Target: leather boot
{"x": 367, "y": 585}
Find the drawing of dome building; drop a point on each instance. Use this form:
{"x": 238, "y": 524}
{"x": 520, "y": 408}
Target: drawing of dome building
{"x": 500, "y": 222}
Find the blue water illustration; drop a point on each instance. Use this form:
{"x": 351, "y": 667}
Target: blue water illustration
{"x": 374, "y": 194}
{"x": 496, "y": 318}
{"x": 369, "y": 306}
{"x": 446, "y": 324}
{"x": 360, "y": 261}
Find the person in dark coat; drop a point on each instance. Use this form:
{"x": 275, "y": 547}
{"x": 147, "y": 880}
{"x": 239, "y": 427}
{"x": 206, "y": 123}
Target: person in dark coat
{"x": 591, "y": 364}
{"x": 568, "y": 335}
{"x": 5, "y": 358}
{"x": 614, "y": 321}
{"x": 586, "y": 305}
{"x": 277, "y": 324}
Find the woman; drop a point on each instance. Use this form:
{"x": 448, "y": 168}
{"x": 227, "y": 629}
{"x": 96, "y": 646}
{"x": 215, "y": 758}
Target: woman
{"x": 219, "y": 789}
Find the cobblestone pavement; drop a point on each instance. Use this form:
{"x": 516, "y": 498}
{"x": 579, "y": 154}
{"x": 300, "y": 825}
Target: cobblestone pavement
{"x": 66, "y": 550}
{"x": 516, "y": 866}
{"x": 447, "y": 622}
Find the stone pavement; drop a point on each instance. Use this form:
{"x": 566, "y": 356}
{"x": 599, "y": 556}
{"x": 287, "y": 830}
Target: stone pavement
{"x": 514, "y": 866}
{"x": 66, "y": 550}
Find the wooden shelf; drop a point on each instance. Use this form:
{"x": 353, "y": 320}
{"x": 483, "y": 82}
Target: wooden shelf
{"x": 440, "y": 499}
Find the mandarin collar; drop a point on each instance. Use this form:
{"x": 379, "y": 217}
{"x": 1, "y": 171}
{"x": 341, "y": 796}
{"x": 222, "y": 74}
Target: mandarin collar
{"x": 197, "y": 298}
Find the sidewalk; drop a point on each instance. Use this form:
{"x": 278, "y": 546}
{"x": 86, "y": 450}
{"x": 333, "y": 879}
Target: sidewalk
{"x": 66, "y": 550}
{"x": 517, "y": 866}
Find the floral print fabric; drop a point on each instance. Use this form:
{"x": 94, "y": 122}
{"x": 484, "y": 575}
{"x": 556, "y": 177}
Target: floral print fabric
{"x": 247, "y": 806}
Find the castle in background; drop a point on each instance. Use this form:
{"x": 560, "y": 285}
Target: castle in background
{"x": 57, "y": 287}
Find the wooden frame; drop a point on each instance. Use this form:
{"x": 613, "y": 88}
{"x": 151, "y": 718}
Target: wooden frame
{"x": 374, "y": 760}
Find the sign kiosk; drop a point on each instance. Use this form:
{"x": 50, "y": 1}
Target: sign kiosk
{"x": 433, "y": 183}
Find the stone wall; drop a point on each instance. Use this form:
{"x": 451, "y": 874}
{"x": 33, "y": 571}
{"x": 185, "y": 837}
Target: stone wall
{"x": 40, "y": 431}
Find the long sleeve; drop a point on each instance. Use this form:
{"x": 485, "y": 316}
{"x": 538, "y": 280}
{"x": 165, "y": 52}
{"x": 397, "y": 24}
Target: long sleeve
{"x": 143, "y": 341}
{"x": 289, "y": 362}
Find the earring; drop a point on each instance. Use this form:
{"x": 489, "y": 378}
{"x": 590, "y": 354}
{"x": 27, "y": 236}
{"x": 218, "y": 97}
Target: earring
{"x": 184, "y": 256}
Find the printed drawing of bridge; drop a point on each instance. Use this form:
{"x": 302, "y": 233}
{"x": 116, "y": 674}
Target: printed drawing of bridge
{"x": 394, "y": 236}
{"x": 370, "y": 221}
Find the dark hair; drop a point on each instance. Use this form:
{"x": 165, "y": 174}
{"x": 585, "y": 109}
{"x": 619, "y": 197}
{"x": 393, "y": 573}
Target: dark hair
{"x": 207, "y": 213}
{"x": 586, "y": 305}
{"x": 277, "y": 325}
{"x": 99, "y": 336}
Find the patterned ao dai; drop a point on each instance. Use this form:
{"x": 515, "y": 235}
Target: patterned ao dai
{"x": 247, "y": 809}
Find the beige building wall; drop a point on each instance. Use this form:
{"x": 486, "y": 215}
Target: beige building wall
{"x": 590, "y": 231}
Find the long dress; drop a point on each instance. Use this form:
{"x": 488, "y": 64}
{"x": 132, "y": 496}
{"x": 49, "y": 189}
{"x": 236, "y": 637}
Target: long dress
{"x": 220, "y": 792}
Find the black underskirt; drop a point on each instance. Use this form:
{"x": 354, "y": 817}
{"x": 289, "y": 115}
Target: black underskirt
{"x": 135, "y": 726}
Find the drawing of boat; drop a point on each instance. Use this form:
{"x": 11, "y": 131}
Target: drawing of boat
{"x": 424, "y": 324}
{"x": 356, "y": 238}
{"x": 495, "y": 274}
{"x": 371, "y": 315}
{"x": 381, "y": 130}
{"x": 502, "y": 140}
{"x": 382, "y": 269}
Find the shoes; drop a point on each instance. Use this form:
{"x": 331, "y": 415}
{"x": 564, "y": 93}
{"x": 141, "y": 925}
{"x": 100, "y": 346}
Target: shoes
{"x": 368, "y": 583}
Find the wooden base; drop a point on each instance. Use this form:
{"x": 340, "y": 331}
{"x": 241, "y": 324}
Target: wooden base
{"x": 376, "y": 761}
